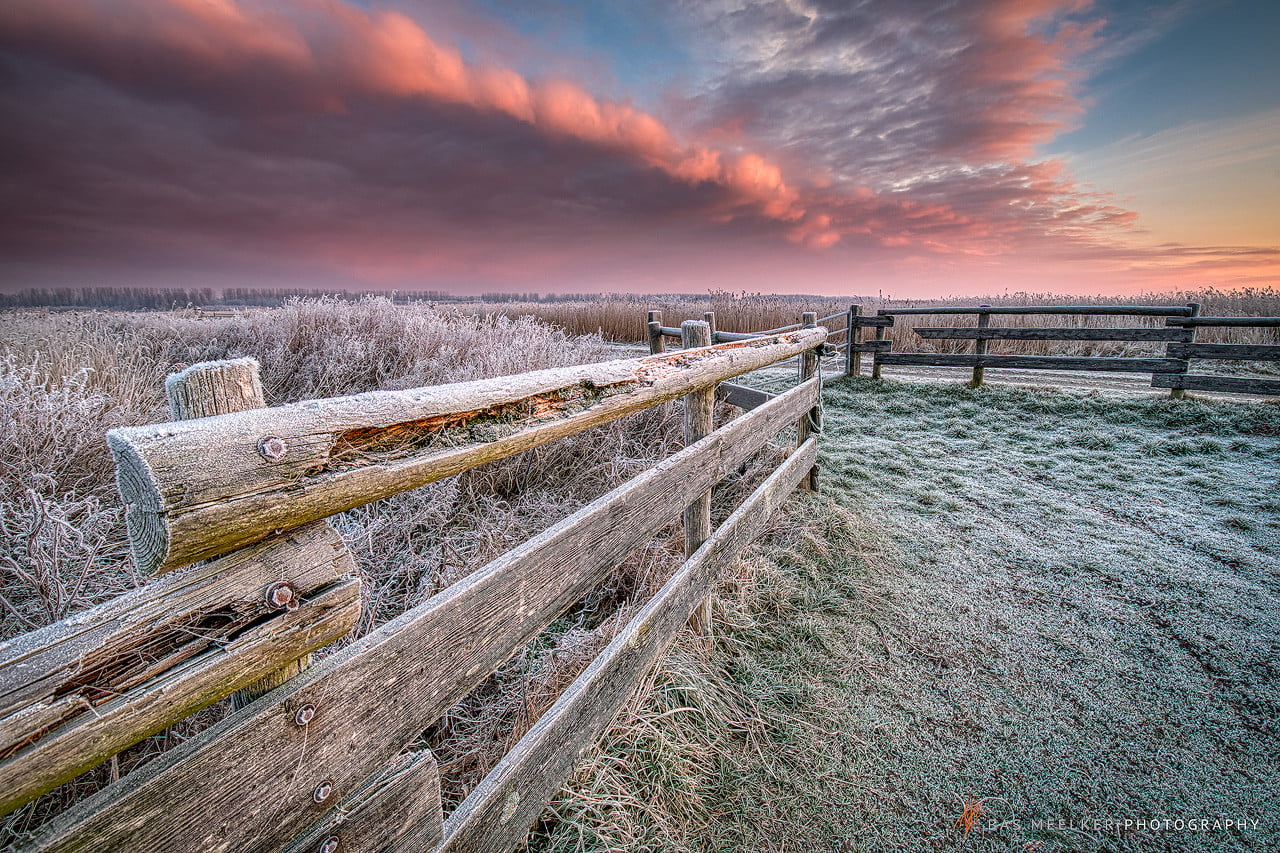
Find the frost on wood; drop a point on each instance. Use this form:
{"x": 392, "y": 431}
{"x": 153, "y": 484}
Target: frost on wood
{"x": 74, "y": 693}
{"x": 195, "y": 489}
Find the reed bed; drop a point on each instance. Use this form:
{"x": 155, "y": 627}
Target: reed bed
{"x": 622, "y": 318}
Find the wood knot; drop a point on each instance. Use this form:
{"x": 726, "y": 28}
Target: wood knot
{"x": 330, "y": 845}
{"x": 323, "y": 791}
{"x": 271, "y": 448}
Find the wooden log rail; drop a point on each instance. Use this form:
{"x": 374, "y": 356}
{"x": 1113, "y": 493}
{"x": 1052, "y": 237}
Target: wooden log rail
{"x": 319, "y": 762}
{"x": 196, "y": 489}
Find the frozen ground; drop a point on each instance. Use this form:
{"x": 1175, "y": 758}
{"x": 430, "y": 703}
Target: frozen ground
{"x": 1077, "y": 622}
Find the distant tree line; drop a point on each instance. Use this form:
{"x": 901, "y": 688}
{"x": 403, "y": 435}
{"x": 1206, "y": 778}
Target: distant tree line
{"x": 177, "y": 298}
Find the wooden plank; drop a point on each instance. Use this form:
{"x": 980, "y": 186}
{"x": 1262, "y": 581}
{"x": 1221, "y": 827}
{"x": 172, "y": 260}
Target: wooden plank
{"x": 874, "y": 346}
{"x": 246, "y": 783}
{"x": 1088, "y": 310}
{"x": 1033, "y": 362}
{"x": 1010, "y": 334}
{"x": 741, "y": 396}
{"x": 699, "y": 407}
{"x": 1231, "y": 384}
{"x": 1238, "y": 352}
{"x": 873, "y": 321}
{"x": 670, "y": 331}
{"x": 1255, "y": 322}
{"x": 196, "y": 489}
{"x": 721, "y": 337}
{"x": 79, "y": 691}
{"x": 398, "y": 809}
{"x": 497, "y": 815}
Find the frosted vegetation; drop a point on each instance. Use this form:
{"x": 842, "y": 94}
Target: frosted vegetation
{"x": 1055, "y": 605}
{"x": 1058, "y": 607}
{"x": 65, "y": 379}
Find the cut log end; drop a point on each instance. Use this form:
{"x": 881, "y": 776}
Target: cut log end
{"x": 148, "y": 533}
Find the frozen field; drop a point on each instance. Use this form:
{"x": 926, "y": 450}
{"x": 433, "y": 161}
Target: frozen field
{"x": 1062, "y": 608}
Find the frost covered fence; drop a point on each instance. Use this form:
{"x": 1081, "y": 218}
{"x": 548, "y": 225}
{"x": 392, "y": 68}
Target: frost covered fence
{"x": 1229, "y": 352}
{"x": 837, "y": 325}
{"x": 1169, "y": 370}
{"x": 228, "y": 510}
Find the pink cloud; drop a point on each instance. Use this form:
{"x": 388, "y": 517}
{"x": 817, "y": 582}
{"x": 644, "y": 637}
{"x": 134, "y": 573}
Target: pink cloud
{"x": 330, "y": 140}
{"x": 318, "y": 57}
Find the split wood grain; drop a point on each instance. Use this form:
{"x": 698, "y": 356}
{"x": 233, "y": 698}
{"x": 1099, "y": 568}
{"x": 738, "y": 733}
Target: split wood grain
{"x": 196, "y": 489}
{"x": 77, "y": 692}
{"x": 397, "y": 810}
{"x": 246, "y": 783}
{"x": 220, "y": 388}
{"x": 497, "y": 815}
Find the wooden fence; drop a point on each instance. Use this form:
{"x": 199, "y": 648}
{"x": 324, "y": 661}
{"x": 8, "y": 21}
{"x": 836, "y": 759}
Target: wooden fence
{"x": 1170, "y": 370}
{"x": 315, "y": 759}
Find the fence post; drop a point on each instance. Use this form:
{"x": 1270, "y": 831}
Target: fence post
{"x": 852, "y": 338}
{"x": 808, "y": 367}
{"x": 698, "y": 407}
{"x": 709, "y": 317}
{"x": 875, "y": 356}
{"x": 654, "y": 325}
{"x": 220, "y": 388}
{"x": 980, "y": 346}
{"x": 1180, "y": 393}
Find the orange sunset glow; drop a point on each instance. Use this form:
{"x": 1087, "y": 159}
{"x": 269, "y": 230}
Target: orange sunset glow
{"x": 828, "y": 148}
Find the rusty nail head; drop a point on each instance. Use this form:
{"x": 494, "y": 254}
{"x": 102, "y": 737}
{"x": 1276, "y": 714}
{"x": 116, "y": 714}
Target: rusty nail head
{"x": 330, "y": 844}
{"x": 271, "y": 448}
{"x": 280, "y": 594}
{"x": 305, "y": 714}
{"x": 322, "y": 791}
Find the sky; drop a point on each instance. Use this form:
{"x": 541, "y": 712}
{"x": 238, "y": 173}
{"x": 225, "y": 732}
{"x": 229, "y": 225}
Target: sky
{"x": 911, "y": 148}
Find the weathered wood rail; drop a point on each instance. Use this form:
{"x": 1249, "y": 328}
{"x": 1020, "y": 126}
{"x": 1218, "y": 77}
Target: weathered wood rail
{"x": 1170, "y": 370}
{"x": 321, "y": 762}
